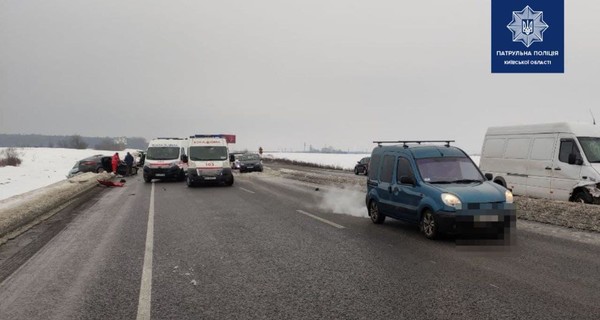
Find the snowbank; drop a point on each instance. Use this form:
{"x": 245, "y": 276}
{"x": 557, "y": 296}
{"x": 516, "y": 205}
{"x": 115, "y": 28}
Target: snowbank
{"x": 25, "y": 209}
{"x": 41, "y": 167}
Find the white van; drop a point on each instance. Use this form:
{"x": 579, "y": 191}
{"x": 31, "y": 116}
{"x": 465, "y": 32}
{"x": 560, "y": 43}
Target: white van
{"x": 165, "y": 159}
{"x": 559, "y": 161}
{"x": 208, "y": 160}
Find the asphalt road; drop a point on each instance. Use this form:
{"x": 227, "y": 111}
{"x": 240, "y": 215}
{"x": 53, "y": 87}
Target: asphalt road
{"x": 272, "y": 248}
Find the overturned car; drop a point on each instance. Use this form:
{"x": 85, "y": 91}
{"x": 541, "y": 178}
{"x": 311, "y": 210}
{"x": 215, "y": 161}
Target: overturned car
{"x": 99, "y": 163}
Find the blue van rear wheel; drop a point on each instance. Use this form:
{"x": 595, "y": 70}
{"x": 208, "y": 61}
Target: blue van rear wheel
{"x": 374, "y": 213}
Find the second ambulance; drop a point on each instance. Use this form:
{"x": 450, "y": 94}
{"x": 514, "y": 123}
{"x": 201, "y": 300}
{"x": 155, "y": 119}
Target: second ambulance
{"x": 208, "y": 160}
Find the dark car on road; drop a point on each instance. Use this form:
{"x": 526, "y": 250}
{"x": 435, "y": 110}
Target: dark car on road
{"x": 234, "y": 160}
{"x": 98, "y": 163}
{"x": 250, "y": 162}
{"x": 362, "y": 166}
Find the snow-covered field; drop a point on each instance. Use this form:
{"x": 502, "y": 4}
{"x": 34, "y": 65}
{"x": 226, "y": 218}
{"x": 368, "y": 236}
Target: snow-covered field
{"x": 40, "y": 167}
{"x": 345, "y": 161}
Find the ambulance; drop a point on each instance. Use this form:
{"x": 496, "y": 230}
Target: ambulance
{"x": 166, "y": 159}
{"x": 208, "y": 159}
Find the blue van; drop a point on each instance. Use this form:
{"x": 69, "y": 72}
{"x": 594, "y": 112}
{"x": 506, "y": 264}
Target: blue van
{"x": 437, "y": 187}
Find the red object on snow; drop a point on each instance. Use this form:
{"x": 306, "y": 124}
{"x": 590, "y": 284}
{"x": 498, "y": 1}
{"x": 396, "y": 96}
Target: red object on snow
{"x": 109, "y": 183}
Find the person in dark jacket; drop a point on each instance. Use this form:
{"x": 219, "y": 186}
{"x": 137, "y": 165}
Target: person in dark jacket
{"x": 129, "y": 163}
{"x": 115, "y": 162}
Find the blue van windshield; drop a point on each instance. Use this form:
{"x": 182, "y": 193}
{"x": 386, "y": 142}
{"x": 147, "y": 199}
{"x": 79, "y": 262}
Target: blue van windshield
{"x": 448, "y": 170}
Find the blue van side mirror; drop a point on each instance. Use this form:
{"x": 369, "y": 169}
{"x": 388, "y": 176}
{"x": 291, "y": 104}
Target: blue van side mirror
{"x": 489, "y": 176}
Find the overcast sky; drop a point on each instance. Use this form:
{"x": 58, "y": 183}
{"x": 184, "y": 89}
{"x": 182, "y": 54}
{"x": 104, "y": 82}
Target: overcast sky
{"x": 279, "y": 73}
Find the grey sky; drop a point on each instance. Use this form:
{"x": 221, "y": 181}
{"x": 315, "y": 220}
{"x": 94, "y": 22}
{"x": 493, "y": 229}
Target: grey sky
{"x": 279, "y": 73}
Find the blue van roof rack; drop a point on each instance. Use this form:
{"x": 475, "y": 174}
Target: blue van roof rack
{"x": 404, "y": 142}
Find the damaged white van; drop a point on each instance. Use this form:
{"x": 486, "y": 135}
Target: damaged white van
{"x": 559, "y": 161}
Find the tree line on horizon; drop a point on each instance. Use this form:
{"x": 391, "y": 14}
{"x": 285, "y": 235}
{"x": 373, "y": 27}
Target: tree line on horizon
{"x": 72, "y": 142}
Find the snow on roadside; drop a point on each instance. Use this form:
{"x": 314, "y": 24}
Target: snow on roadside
{"x": 41, "y": 167}
{"x": 343, "y": 160}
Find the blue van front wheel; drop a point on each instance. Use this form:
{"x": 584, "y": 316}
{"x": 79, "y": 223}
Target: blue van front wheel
{"x": 374, "y": 213}
{"x": 429, "y": 225}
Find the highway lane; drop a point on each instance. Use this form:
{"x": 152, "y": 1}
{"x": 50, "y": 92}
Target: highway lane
{"x": 256, "y": 250}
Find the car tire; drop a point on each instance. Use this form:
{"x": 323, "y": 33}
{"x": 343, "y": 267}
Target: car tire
{"x": 355, "y": 170}
{"x": 376, "y": 216}
{"x": 181, "y": 176}
{"x": 229, "y": 181}
{"x": 147, "y": 180}
{"x": 583, "y": 197}
{"x": 429, "y": 225}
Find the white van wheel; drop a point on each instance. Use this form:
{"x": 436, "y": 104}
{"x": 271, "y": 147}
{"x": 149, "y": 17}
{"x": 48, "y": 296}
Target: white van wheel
{"x": 583, "y": 197}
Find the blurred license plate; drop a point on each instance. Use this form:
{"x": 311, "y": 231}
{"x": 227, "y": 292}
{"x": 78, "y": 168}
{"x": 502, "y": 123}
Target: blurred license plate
{"x": 250, "y": 167}
{"x": 210, "y": 178}
{"x": 160, "y": 174}
{"x": 487, "y": 218}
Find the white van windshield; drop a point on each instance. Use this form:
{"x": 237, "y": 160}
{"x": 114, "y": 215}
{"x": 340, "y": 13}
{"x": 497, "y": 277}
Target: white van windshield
{"x": 208, "y": 153}
{"x": 591, "y": 148}
{"x": 162, "y": 153}
{"x": 448, "y": 170}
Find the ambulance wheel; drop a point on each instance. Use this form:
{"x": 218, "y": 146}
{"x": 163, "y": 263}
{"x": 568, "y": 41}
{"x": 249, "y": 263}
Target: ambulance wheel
{"x": 189, "y": 182}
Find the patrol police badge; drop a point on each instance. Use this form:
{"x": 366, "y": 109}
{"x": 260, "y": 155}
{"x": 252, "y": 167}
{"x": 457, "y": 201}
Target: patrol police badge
{"x": 527, "y": 26}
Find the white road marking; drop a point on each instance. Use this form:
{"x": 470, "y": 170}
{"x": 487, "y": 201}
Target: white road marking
{"x": 144, "y": 307}
{"x": 494, "y": 286}
{"x": 321, "y": 219}
{"x": 249, "y": 191}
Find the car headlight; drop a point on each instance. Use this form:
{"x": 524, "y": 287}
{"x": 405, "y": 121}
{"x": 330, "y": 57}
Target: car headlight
{"x": 451, "y": 200}
{"x": 509, "y": 196}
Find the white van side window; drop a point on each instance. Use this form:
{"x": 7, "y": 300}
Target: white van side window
{"x": 543, "y": 149}
{"x": 494, "y": 148}
{"x": 517, "y": 148}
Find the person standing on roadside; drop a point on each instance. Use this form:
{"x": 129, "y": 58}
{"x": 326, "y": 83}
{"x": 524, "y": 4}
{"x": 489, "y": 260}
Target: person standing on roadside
{"x": 115, "y": 162}
{"x": 129, "y": 163}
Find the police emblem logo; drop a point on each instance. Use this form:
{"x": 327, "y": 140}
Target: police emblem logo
{"x": 527, "y": 26}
